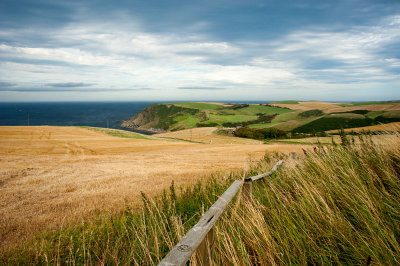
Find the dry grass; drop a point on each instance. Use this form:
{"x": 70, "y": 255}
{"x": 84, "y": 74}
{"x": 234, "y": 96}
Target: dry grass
{"x": 338, "y": 205}
{"x": 334, "y": 107}
{"x": 347, "y": 115}
{"x": 381, "y": 139}
{"x": 395, "y": 126}
{"x": 372, "y": 107}
{"x": 206, "y": 135}
{"x": 55, "y": 175}
{"x": 309, "y": 105}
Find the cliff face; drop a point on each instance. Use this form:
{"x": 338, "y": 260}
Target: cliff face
{"x": 145, "y": 120}
{"x": 157, "y": 117}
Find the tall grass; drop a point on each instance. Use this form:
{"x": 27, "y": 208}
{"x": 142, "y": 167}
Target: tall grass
{"x": 338, "y": 205}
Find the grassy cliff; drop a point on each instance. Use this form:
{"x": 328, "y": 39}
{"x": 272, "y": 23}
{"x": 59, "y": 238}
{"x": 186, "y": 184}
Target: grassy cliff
{"x": 185, "y": 115}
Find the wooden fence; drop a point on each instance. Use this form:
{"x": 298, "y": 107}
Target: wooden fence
{"x": 201, "y": 237}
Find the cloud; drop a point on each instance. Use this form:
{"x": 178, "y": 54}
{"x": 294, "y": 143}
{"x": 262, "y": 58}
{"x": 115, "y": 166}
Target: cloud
{"x": 70, "y": 89}
{"x": 70, "y": 84}
{"x": 6, "y": 84}
{"x": 198, "y": 53}
{"x": 200, "y": 88}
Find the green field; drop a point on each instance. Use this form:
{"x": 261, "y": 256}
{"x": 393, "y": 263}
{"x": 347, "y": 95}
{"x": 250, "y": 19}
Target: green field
{"x": 218, "y": 115}
{"x": 200, "y": 106}
{"x": 375, "y": 114}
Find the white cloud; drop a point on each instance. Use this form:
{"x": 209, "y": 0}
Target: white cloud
{"x": 109, "y": 56}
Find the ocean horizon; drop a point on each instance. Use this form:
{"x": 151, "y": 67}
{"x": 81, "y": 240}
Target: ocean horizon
{"x": 93, "y": 114}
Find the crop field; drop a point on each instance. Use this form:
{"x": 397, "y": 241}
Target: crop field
{"x": 308, "y": 105}
{"x": 384, "y": 106}
{"x": 52, "y": 176}
{"x": 341, "y": 107}
{"x": 378, "y": 139}
{"x": 319, "y": 208}
{"x": 395, "y": 126}
{"x": 205, "y": 135}
{"x": 368, "y": 103}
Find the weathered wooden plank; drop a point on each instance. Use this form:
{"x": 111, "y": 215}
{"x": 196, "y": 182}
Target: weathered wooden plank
{"x": 257, "y": 177}
{"x": 204, "y": 251}
{"x": 182, "y": 252}
{"x": 247, "y": 191}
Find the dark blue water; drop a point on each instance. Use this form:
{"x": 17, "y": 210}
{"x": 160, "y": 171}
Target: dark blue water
{"x": 94, "y": 114}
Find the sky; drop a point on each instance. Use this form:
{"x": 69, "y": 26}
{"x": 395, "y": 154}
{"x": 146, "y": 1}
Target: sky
{"x": 208, "y": 50}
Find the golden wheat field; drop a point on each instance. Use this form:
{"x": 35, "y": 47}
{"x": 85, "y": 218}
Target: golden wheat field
{"x": 335, "y": 107}
{"x": 395, "y": 126}
{"x": 308, "y": 105}
{"x": 50, "y": 176}
{"x": 206, "y": 135}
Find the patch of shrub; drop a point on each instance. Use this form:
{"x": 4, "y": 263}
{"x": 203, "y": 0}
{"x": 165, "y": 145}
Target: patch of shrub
{"x": 310, "y": 113}
{"x": 262, "y": 133}
{"x": 235, "y": 106}
{"x": 239, "y": 106}
{"x": 211, "y": 124}
{"x": 262, "y": 119}
{"x": 383, "y": 120}
{"x": 275, "y": 106}
{"x": 330, "y": 123}
{"x": 202, "y": 116}
{"x": 360, "y": 112}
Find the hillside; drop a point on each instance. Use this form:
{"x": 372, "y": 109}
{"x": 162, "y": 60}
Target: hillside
{"x": 178, "y": 116}
{"x": 301, "y": 117}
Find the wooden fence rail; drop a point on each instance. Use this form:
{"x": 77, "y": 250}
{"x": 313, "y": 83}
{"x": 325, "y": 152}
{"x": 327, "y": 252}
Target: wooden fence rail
{"x": 201, "y": 237}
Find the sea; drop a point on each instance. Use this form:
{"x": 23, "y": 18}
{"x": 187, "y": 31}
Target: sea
{"x": 93, "y": 114}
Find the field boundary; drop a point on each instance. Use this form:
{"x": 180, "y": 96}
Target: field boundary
{"x": 201, "y": 237}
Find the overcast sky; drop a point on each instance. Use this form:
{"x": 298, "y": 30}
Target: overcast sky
{"x": 199, "y": 50}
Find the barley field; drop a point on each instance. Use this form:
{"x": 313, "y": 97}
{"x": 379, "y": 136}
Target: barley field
{"x": 337, "y": 205}
{"x": 206, "y": 135}
{"x": 52, "y": 176}
{"x": 395, "y": 126}
{"x": 338, "y": 107}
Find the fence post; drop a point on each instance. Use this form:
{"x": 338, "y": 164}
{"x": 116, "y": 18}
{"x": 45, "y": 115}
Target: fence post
{"x": 205, "y": 250}
{"x": 247, "y": 190}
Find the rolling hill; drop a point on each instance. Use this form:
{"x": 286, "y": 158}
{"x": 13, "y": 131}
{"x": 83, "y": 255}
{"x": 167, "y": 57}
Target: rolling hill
{"x": 295, "y": 116}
